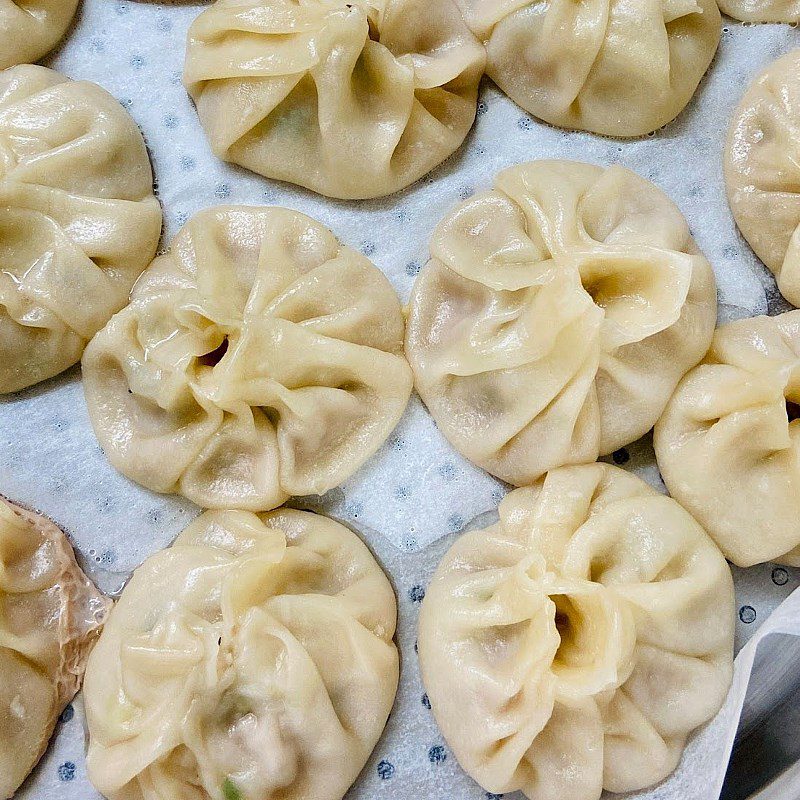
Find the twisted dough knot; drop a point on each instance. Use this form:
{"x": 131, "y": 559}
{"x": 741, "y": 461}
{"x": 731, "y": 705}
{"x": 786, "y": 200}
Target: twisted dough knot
{"x": 260, "y": 353}
{"x": 573, "y": 646}
{"x": 79, "y": 221}
{"x": 556, "y": 316}
{"x": 350, "y": 99}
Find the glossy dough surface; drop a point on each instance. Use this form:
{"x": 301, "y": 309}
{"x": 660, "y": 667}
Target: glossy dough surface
{"x": 352, "y": 99}
{"x": 573, "y": 646}
{"x": 78, "y": 219}
{"x": 762, "y": 10}
{"x": 762, "y": 170}
{"x": 556, "y": 316}
{"x": 616, "y": 67}
{"x": 29, "y": 29}
{"x": 258, "y": 359}
{"x": 253, "y": 660}
{"x": 50, "y": 616}
{"x": 728, "y": 445}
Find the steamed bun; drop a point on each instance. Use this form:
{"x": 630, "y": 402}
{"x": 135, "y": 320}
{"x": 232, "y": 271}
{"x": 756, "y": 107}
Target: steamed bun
{"x": 728, "y": 444}
{"x": 258, "y": 358}
{"x": 253, "y": 659}
{"x": 556, "y": 316}
{"x": 575, "y": 645}
{"x": 29, "y": 29}
{"x": 616, "y": 67}
{"x": 350, "y": 98}
{"x": 50, "y": 617}
{"x": 78, "y": 219}
{"x": 762, "y": 170}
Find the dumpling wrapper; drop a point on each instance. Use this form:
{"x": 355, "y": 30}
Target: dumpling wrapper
{"x": 78, "y": 219}
{"x": 29, "y": 29}
{"x": 572, "y": 647}
{"x": 615, "y": 67}
{"x": 728, "y": 444}
{"x": 762, "y": 10}
{"x": 258, "y": 359}
{"x": 349, "y": 98}
{"x": 253, "y": 660}
{"x": 50, "y": 617}
{"x": 762, "y": 170}
{"x": 556, "y": 316}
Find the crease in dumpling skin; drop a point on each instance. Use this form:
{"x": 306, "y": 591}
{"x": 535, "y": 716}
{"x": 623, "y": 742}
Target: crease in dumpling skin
{"x": 254, "y": 659}
{"x": 614, "y": 67}
{"x": 263, "y": 358}
{"x": 350, "y": 99}
{"x": 556, "y": 316}
{"x": 762, "y": 170}
{"x": 762, "y": 10}
{"x": 78, "y": 219}
{"x": 728, "y": 444}
{"x": 50, "y": 617}
{"x": 29, "y": 29}
{"x": 572, "y": 647}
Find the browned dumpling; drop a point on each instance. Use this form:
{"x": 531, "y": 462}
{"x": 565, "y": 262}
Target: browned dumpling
{"x": 50, "y": 617}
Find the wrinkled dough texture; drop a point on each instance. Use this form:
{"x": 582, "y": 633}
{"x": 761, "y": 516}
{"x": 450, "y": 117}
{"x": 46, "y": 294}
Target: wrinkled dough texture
{"x": 556, "y": 316}
{"x": 78, "y": 219}
{"x": 29, "y": 29}
{"x": 615, "y": 67}
{"x": 573, "y": 646}
{"x": 762, "y": 170}
{"x": 252, "y": 659}
{"x": 351, "y": 99}
{"x": 50, "y": 616}
{"x": 728, "y": 444}
{"x": 258, "y": 359}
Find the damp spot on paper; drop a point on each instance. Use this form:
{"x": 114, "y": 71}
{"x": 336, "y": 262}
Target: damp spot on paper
{"x": 455, "y": 522}
{"x": 66, "y": 772}
{"x": 412, "y": 268}
{"x": 621, "y": 456}
{"x": 426, "y": 702}
{"x": 437, "y": 754}
{"x": 780, "y": 577}
{"x": 747, "y": 614}
{"x": 416, "y": 594}
{"x": 385, "y": 770}
{"x": 67, "y": 714}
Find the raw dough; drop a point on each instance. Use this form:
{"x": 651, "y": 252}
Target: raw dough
{"x": 557, "y": 315}
{"x": 29, "y": 29}
{"x": 78, "y": 219}
{"x": 258, "y": 359}
{"x": 616, "y": 67}
{"x": 251, "y": 660}
{"x": 350, "y": 98}
{"x": 50, "y": 617}
{"x": 573, "y": 646}
{"x": 762, "y": 170}
{"x": 728, "y": 444}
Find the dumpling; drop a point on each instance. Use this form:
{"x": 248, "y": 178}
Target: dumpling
{"x": 29, "y": 29}
{"x": 78, "y": 219}
{"x": 252, "y": 660}
{"x": 728, "y": 444}
{"x": 556, "y": 316}
{"x": 50, "y": 617}
{"x": 575, "y": 645}
{"x": 762, "y": 10}
{"x": 762, "y": 170}
{"x": 613, "y": 67}
{"x": 258, "y": 359}
{"x": 350, "y": 98}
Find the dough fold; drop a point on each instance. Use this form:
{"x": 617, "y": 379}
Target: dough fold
{"x": 556, "y": 316}
{"x": 350, "y": 99}
{"x": 258, "y": 359}
{"x": 253, "y": 659}
{"x": 78, "y": 219}
{"x": 573, "y": 646}
{"x": 29, "y": 29}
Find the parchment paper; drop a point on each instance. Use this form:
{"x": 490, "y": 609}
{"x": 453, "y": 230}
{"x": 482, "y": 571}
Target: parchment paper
{"x": 412, "y": 498}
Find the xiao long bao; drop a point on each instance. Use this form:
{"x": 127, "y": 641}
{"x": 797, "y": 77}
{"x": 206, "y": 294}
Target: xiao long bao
{"x": 78, "y": 219}
{"x": 29, "y": 29}
{"x": 258, "y": 359}
{"x": 51, "y": 617}
{"x": 575, "y": 645}
{"x": 252, "y": 659}
{"x": 556, "y": 316}
{"x": 350, "y": 98}
{"x": 728, "y": 444}
{"x": 762, "y": 170}
{"x": 615, "y": 67}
